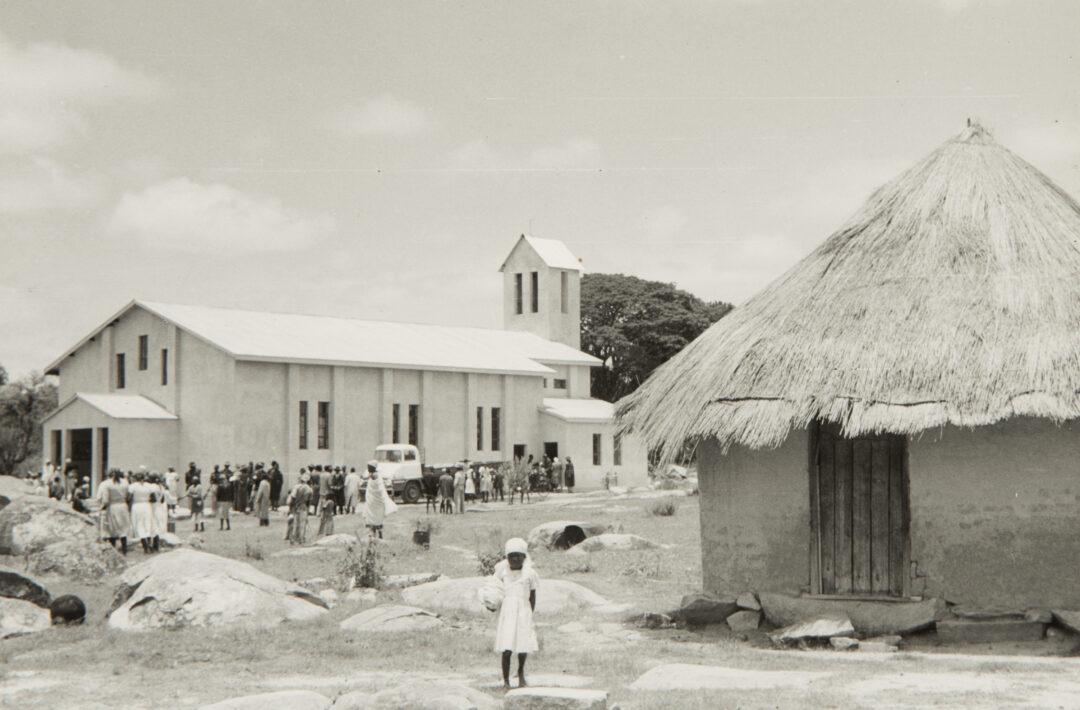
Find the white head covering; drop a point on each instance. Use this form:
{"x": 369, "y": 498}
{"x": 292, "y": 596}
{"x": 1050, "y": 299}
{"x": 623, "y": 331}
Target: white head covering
{"x": 516, "y": 544}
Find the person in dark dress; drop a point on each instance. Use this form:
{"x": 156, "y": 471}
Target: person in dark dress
{"x": 192, "y": 475}
{"x": 337, "y": 489}
{"x": 240, "y": 489}
{"x": 569, "y": 474}
{"x": 277, "y": 481}
{"x": 316, "y": 474}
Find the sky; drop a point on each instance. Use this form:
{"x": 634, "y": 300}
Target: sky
{"x": 379, "y": 159}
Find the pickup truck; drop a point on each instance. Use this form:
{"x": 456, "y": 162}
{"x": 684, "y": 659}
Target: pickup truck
{"x": 401, "y": 470}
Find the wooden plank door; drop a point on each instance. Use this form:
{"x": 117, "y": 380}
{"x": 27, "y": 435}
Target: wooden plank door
{"x": 859, "y": 513}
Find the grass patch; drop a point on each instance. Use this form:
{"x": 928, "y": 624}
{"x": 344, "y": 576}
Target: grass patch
{"x": 665, "y": 507}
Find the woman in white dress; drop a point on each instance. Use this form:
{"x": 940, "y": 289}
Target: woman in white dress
{"x": 160, "y": 509}
{"x": 377, "y": 502}
{"x": 142, "y": 511}
{"x": 515, "y": 631}
{"x": 113, "y": 494}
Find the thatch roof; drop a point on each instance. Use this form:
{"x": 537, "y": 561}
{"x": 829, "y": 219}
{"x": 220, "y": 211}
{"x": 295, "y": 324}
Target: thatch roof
{"x": 951, "y": 297}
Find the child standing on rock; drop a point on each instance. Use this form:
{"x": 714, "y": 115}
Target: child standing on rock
{"x": 515, "y": 631}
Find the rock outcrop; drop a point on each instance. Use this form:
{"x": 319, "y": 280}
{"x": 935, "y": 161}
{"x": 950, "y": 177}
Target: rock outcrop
{"x": 391, "y": 617}
{"x": 564, "y": 534}
{"x": 18, "y": 617}
{"x": 14, "y": 585}
{"x": 77, "y": 559}
{"x": 193, "y": 588}
{"x": 30, "y": 523}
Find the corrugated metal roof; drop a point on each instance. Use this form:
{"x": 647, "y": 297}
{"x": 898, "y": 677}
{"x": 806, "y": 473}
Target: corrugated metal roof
{"x": 255, "y": 335}
{"x": 578, "y": 410}
{"x": 125, "y": 406}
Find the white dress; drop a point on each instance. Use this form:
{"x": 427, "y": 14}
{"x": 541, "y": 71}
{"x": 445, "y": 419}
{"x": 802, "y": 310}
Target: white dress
{"x": 515, "y": 630}
{"x": 142, "y": 512}
{"x": 160, "y": 510}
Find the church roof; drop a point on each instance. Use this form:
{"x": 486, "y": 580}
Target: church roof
{"x": 578, "y": 410}
{"x": 552, "y": 252}
{"x": 120, "y": 406}
{"x": 284, "y": 337}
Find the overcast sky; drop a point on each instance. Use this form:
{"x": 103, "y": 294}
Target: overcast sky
{"x": 379, "y": 159}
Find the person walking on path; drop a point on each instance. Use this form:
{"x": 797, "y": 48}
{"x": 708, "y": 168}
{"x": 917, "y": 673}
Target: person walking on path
{"x": 377, "y": 502}
{"x": 297, "y": 503}
{"x": 568, "y": 475}
{"x": 337, "y": 489}
{"x": 161, "y": 510}
{"x": 262, "y": 501}
{"x": 113, "y": 494}
{"x": 352, "y": 491}
{"x": 327, "y": 505}
{"x": 459, "y": 488}
{"x": 515, "y": 582}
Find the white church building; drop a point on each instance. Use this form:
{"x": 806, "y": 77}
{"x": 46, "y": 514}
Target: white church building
{"x": 160, "y": 384}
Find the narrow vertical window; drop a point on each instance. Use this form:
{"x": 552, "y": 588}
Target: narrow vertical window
{"x": 144, "y": 351}
{"x": 395, "y": 425}
{"x": 120, "y": 379}
{"x": 564, "y": 291}
{"x": 414, "y": 424}
{"x": 616, "y": 449}
{"x": 596, "y": 449}
{"x": 535, "y": 291}
{"x": 479, "y": 428}
{"x": 496, "y": 445}
{"x": 324, "y": 425}
{"x": 164, "y": 366}
{"x": 518, "y": 300}
{"x": 303, "y": 425}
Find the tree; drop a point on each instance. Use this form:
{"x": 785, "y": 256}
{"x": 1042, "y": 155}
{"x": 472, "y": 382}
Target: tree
{"x": 23, "y": 406}
{"x": 634, "y": 325}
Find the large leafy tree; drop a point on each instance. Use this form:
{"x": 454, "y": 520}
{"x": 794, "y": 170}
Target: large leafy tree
{"x": 634, "y": 325}
{"x": 23, "y": 405}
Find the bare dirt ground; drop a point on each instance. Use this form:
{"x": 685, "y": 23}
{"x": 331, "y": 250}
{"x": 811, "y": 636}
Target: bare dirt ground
{"x": 93, "y": 666}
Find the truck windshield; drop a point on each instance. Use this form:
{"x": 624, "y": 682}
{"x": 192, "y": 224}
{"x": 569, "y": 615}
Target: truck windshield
{"x": 391, "y": 455}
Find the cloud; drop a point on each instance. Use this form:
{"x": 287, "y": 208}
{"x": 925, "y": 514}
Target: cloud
{"x": 480, "y": 155}
{"x": 48, "y": 88}
{"x": 385, "y": 115}
{"x": 184, "y": 215}
{"x": 575, "y": 153}
{"x": 662, "y": 223}
{"x": 38, "y": 184}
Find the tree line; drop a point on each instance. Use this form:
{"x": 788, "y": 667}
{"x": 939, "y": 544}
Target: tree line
{"x": 24, "y": 404}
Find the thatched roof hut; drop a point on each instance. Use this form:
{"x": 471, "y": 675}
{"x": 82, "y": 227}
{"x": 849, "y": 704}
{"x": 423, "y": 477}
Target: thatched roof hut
{"x": 951, "y": 297}
{"x": 951, "y": 302}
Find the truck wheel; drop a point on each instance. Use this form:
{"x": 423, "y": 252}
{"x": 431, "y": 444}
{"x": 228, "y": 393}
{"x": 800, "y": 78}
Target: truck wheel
{"x": 412, "y": 492}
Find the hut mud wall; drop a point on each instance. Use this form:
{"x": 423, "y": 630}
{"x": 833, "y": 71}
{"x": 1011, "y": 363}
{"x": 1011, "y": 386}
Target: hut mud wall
{"x": 995, "y": 514}
{"x": 755, "y": 517}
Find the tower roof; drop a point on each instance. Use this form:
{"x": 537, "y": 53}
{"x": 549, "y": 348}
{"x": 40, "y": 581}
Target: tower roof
{"x": 552, "y": 252}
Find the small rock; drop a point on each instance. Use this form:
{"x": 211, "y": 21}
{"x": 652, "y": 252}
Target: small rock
{"x": 818, "y": 628}
{"x": 843, "y": 643}
{"x": 891, "y": 639}
{"x": 342, "y": 540}
{"x": 1039, "y": 616}
{"x": 360, "y": 595}
{"x": 433, "y": 695}
{"x": 19, "y": 617}
{"x": 555, "y": 699}
{"x": 330, "y": 596}
{"x": 652, "y": 620}
{"x": 391, "y": 617}
{"x": 169, "y": 539}
{"x": 315, "y": 582}
{"x": 355, "y": 700}
{"x": 18, "y": 586}
{"x": 748, "y": 600}
{"x": 705, "y": 609}
{"x": 877, "y": 647}
{"x": 411, "y": 580}
{"x": 746, "y": 620}
{"x": 281, "y": 700}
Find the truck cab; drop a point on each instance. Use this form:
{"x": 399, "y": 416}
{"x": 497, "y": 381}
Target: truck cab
{"x": 400, "y": 468}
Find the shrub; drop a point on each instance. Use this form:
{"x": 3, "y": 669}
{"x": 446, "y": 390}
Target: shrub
{"x": 665, "y": 507}
{"x": 486, "y": 562}
{"x": 363, "y": 568}
{"x": 253, "y": 550}
{"x": 489, "y": 549}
